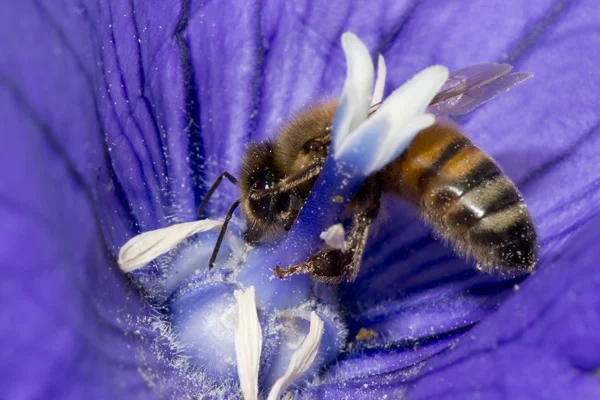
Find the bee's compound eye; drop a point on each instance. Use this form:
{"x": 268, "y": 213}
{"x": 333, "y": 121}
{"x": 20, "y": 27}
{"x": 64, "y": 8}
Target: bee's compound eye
{"x": 264, "y": 180}
{"x": 262, "y": 207}
{"x": 311, "y": 147}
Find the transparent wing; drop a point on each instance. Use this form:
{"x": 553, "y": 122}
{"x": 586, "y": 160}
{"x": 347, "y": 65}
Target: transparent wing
{"x": 472, "y": 86}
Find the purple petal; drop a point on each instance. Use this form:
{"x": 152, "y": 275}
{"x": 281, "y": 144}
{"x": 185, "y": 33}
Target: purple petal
{"x": 71, "y": 321}
{"x": 541, "y": 343}
{"x": 411, "y": 287}
{"x": 130, "y": 109}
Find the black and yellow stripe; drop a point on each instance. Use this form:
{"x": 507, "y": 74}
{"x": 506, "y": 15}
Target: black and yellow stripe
{"x": 466, "y": 197}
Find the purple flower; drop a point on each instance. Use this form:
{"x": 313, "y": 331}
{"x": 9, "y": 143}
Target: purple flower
{"x": 118, "y": 115}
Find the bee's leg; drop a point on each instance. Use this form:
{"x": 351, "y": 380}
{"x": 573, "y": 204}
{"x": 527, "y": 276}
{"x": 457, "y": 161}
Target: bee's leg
{"x": 333, "y": 266}
{"x": 365, "y": 205}
{"x": 326, "y": 266}
{"x": 212, "y": 189}
{"x": 357, "y": 241}
{"x": 289, "y": 183}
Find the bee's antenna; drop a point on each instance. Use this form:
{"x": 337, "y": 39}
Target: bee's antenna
{"x": 212, "y": 189}
{"x": 222, "y": 233}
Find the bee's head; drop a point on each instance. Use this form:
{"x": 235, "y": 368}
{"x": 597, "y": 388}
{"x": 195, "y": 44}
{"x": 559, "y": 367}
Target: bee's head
{"x": 266, "y": 215}
{"x": 304, "y": 142}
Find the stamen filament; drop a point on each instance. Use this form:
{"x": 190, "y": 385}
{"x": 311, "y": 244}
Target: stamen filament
{"x": 301, "y": 359}
{"x": 248, "y": 343}
{"x": 147, "y": 246}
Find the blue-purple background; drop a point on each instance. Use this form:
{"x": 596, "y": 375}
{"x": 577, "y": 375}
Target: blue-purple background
{"x": 115, "y": 114}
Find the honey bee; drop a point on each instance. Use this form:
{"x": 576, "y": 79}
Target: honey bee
{"x": 458, "y": 189}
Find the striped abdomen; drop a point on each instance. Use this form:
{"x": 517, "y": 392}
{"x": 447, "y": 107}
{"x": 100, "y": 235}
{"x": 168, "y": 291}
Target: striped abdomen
{"x": 466, "y": 197}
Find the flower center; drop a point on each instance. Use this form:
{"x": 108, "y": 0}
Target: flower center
{"x": 284, "y": 329}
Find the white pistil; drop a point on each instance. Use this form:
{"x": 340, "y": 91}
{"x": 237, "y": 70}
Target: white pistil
{"x": 145, "y": 247}
{"x": 358, "y": 88}
{"x": 386, "y": 134}
{"x": 398, "y": 120}
{"x": 335, "y": 237}
{"x": 405, "y": 112}
{"x": 302, "y": 358}
{"x": 379, "y": 82}
{"x": 248, "y": 343}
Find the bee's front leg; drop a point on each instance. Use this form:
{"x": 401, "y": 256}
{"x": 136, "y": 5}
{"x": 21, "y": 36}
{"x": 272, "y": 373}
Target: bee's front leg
{"x": 334, "y": 265}
{"x": 327, "y": 266}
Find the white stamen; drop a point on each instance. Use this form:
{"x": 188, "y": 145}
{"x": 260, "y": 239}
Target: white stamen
{"x": 335, "y": 237}
{"x": 145, "y": 247}
{"x": 248, "y": 343}
{"x": 301, "y": 359}
{"x": 380, "y": 82}
{"x": 358, "y": 86}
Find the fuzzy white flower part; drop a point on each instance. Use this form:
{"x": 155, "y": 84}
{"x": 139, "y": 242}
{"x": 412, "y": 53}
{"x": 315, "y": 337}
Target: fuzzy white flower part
{"x": 335, "y": 237}
{"x": 302, "y": 358}
{"x": 147, "y": 246}
{"x": 248, "y": 343}
{"x": 358, "y": 89}
{"x": 372, "y": 143}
